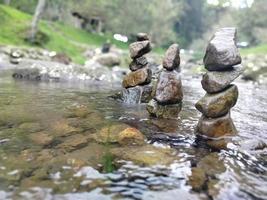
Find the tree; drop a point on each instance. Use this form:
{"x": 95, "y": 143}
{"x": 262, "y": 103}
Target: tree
{"x": 36, "y": 18}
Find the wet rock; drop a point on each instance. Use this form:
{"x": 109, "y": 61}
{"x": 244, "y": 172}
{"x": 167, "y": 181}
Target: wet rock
{"x": 142, "y": 37}
{"x": 41, "y": 138}
{"x": 138, "y": 63}
{"x": 169, "y": 88}
{"x": 110, "y": 134}
{"x": 131, "y": 136}
{"x": 217, "y": 105}
{"x": 139, "y": 77}
{"x": 163, "y": 111}
{"x": 73, "y": 142}
{"x": 214, "y": 81}
{"x": 108, "y": 59}
{"x": 222, "y": 52}
{"x": 217, "y": 127}
{"x": 147, "y": 155}
{"x": 28, "y": 74}
{"x": 62, "y": 129}
{"x": 171, "y": 60}
{"x": 80, "y": 111}
{"x": 138, "y": 49}
{"x": 197, "y": 179}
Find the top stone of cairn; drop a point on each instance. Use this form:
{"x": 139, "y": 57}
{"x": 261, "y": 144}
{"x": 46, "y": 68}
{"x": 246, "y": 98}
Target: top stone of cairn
{"x": 222, "y": 52}
{"x": 142, "y": 36}
{"x": 171, "y": 59}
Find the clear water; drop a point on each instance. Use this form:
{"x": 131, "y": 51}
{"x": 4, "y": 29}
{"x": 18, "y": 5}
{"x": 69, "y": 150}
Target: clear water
{"x": 39, "y": 158}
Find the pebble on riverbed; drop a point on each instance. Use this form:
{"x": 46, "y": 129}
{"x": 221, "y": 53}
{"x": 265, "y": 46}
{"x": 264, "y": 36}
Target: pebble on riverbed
{"x": 222, "y": 60}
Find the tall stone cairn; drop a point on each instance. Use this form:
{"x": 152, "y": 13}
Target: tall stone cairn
{"x": 168, "y": 93}
{"x": 222, "y": 60}
{"x": 140, "y": 76}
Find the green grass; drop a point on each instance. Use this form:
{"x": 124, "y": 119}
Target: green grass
{"x": 259, "y": 50}
{"x": 14, "y": 26}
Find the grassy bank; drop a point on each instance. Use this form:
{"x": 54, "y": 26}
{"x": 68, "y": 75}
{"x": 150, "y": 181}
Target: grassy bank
{"x": 14, "y": 26}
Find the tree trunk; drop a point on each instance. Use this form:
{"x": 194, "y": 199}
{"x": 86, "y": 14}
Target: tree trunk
{"x": 7, "y": 2}
{"x": 36, "y": 18}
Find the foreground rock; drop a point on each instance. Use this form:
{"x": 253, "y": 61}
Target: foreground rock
{"x": 138, "y": 49}
{"x": 222, "y": 60}
{"x": 168, "y": 95}
{"x": 169, "y": 88}
{"x": 216, "y": 127}
{"x": 217, "y": 105}
{"x": 222, "y": 52}
{"x": 217, "y": 81}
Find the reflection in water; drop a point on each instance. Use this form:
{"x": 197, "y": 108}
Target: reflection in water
{"x": 48, "y": 146}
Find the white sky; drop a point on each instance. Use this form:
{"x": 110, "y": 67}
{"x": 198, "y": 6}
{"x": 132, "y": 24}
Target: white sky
{"x": 234, "y": 3}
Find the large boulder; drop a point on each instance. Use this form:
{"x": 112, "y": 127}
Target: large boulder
{"x": 222, "y": 52}
{"x": 217, "y": 127}
{"x": 139, "y": 77}
{"x": 214, "y": 82}
{"x": 138, "y": 49}
{"x": 164, "y": 111}
{"x": 169, "y": 88}
{"x": 216, "y": 105}
{"x": 108, "y": 59}
{"x": 138, "y": 63}
{"x": 171, "y": 60}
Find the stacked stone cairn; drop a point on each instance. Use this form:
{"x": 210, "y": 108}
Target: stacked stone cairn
{"x": 136, "y": 83}
{"x": 222, "y": 60}
{"x": 168, "y": 93}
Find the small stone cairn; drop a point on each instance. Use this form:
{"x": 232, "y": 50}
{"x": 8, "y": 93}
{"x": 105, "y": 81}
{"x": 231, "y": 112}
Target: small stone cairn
{"x": 222, "y": 60}
{"x": 136, "y": 83}
{"x": 168, "y": 93}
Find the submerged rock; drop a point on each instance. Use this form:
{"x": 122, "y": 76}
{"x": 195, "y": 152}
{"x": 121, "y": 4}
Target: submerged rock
{"x": 138, "y": 63}
{"x": 163, "y": 111}
{"x": 139, "y": 77}
{"x": 217, "y": 81}
{"x": 138, "y": 49}
{"x": 41, "y": 138}
{"x": 146, "y": 155}
{"x": 73, "y": 142}
{"x": 216, "y": 105}
{"x": 198, "y": 179}
{"x": 169, "y": 88}
{"x": 131, "y": 136}
{"x": 222, "y": 52}
{"x": 216, "y": 127}
{"x": 171, "y": 60}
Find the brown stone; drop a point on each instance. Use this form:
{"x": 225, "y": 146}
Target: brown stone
{"x": 218, "y": 104}
{"x": 217, "y": 81}
{"x": 41, "y": 138}
{"x": 139, "y": 77}
{"x": 138, "y": 49}
{"x": 169, "y": 88}
{"x": 171, "y": 60}
{"x": 197, "y": 179}
{"x": 222, "y": 52}
{"x": 217, "y": 127}
{"x": 131, "y": 136}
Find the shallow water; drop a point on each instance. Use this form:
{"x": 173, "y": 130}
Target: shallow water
{"x": 47, "y": 150}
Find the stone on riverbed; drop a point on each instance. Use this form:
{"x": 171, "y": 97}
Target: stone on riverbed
{"x": 108, "y": 59}
{"x": 169, "y": 88}
{"x": 164, "y": 111}
{"x": 131, "y": 136}
{"x": 139, "y": 77}
{"x": 222, "y": 52}
{"x": 138, "y": 63}
{"x": 217, "y": 105}
{"x": 138, "y": 49}
{"x": 217, "y": 127}
{"x": 214, "y": 82}
{"x": 171, "y": 60}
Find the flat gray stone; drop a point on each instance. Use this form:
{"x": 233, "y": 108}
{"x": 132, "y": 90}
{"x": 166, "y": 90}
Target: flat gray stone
{"x": 222, "y": 52}
{"x": 214, "y": 81}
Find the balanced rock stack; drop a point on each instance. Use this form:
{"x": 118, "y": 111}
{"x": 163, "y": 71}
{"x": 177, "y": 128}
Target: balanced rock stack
{"x": 168, "y": 93}
{"x": 136, "y": 82}
{"x": 222, "y": 60}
